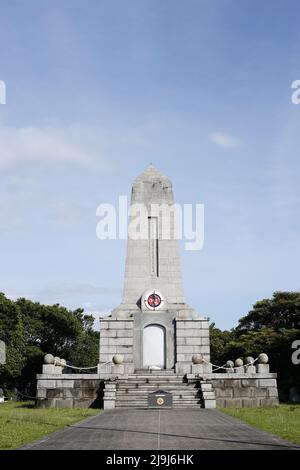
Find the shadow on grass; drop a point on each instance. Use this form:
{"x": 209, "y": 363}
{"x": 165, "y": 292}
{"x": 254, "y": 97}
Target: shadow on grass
{"x": 29, "y": 405}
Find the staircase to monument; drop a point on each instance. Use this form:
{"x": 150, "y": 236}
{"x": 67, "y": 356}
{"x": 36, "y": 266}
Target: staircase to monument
{"x": 133, "y": 392}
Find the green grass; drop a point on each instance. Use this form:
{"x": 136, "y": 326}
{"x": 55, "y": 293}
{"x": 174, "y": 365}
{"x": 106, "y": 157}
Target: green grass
{"x": 283, "y": 420}
{"x": 21, "y": 422}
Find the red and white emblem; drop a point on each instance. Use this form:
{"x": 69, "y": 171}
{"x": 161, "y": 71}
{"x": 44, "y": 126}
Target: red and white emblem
{"x": 153, "y": 300}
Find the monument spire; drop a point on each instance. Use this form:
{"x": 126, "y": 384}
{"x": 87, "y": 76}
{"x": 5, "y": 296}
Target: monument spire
{"x": 153, "y": 263}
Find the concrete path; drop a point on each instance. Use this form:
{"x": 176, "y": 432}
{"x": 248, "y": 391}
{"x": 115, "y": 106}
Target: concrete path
{"x": 126, "y": 429}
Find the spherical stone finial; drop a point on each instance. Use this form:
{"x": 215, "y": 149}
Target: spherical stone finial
{"x": 49, "y": 359}
{"x": 249, "y": 360}
{"x": 263, "y": 358}
{"x": 229, "y": 364}
{"x": 239, "y": 362}
{"x": 118, "y": 359}
{"x": 197, "y": 359}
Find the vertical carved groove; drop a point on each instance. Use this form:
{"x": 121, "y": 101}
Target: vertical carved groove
{"x": 153, "y": 246}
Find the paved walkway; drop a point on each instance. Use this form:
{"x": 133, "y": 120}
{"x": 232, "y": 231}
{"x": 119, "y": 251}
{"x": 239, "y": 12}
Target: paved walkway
{"x": 126, "y": 429}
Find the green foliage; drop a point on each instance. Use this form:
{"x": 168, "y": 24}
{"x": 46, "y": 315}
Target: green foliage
{"x": 12, "y": 332}
{"x": 53, "y": 327}
{"x": 277, "y": 344}
{"x": 218, "y": 344}
{"x": 86, "y": 350}
{"x": 32, "y": 330}
{"x": 282, "y": 311}
{"x": 271, "y": 327}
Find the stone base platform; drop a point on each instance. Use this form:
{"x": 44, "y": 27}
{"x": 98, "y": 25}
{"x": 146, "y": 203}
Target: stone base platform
{"x": 242, "y": 390}
{"x": 190, "y": 390}
{"x": 69, "y": 391}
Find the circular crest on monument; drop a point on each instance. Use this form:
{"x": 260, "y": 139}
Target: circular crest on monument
{"x": 153, "y": 300}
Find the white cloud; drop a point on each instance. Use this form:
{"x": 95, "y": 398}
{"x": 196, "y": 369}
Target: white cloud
{"x": 222, "y": 139}
{"x": 70, "y": 144}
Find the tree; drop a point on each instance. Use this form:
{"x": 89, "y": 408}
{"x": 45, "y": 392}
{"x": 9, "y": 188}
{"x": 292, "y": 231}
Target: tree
{"x": 32, "y": 330}
{"x": 277, "y": 345}
{"x": 281, "y": 311}
{"x": 12, "y": 333}
{"x": 218, "y": 344}
{"x": 271, "y": 327}
{"x": 54, "y": 328}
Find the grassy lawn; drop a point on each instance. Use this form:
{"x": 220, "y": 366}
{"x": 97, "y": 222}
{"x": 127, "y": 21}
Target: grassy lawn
{"x": 21, "y": 423}
{"x": 283, "y": 421}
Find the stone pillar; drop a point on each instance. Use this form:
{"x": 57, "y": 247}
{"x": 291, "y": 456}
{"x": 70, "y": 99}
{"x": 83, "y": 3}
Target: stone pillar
{"x": 116, "y": 338}
{"x": 192, "y": 337}
{"x": 109, "y": 399}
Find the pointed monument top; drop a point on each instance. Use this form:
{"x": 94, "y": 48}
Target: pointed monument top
{"x": 152, "y": 174}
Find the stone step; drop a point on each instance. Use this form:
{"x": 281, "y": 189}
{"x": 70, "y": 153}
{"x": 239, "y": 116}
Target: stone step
{"x": 146, "y": 374}
{"x": 209, "y": 395}
{"x": 154, "y": 372}
{"x": 175, "y": 395}
{"x": 155, "y": 377}
{"x": 145, "y": 403}
{"x": 145, "y": 397}
{"x": 146, "y": 391}
{"x": 196, "y": 406}
{"x": 155, "y": 385}
{"x": 175, "y": 405}
{"x": 153, "y": 381}
{"x": 133, "y": 393}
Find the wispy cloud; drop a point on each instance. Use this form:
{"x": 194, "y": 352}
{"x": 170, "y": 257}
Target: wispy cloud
{"x": 52, "y": 145}
{"x": 223, "y": 139}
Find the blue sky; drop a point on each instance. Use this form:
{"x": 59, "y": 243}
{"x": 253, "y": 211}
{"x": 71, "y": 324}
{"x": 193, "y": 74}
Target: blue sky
{"x": 96, "y": 90}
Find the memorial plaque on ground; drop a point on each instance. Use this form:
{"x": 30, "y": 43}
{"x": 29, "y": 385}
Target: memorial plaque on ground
{"x": 160, "y": 399}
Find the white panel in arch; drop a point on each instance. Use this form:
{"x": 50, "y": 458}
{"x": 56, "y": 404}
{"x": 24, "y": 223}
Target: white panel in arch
{"x": 154, "y": 346}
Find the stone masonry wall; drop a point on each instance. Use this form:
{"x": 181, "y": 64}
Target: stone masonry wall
{"x": 239, "y": 390}
{"x": 192, "y": 337}
{"x": 116, "y": 337}
{"x": 69, "y": 391}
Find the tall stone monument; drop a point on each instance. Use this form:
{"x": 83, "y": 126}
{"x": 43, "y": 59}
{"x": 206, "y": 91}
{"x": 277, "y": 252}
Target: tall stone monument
{"x": 153, "y": 327}
{"x": 154, "y": 348}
